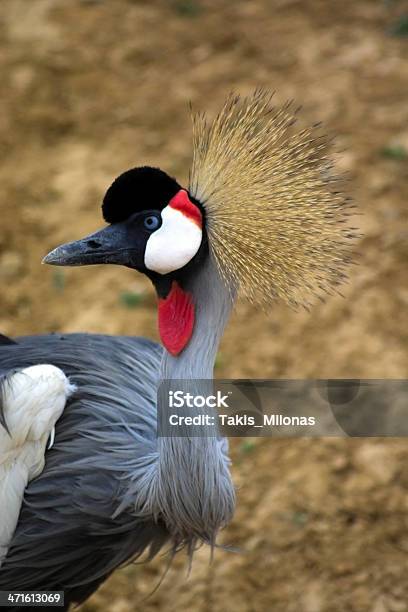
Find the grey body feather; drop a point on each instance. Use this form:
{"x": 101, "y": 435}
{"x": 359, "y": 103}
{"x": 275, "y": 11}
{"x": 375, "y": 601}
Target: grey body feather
{"x": 111, "y": 490}
{"x": 66, "y": 537}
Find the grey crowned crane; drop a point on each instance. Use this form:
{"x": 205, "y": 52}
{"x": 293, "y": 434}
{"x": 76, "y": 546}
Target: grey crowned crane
{"x": 85, "y": 483}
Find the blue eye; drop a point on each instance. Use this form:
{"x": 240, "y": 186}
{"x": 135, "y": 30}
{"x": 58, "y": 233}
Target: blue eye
{"x": 151, "y": 223}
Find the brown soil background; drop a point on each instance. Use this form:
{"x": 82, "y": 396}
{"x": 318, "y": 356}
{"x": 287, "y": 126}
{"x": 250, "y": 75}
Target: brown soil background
{"x": 90, "y": 88}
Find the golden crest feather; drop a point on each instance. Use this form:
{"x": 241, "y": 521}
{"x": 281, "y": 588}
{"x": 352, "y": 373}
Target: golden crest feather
{"x": 276, "y": 226}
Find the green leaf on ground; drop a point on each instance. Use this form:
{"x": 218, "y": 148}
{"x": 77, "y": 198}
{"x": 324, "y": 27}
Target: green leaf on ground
{"x": 131, "y": 299}
{"x": 58, "y": 280}
{"x": 397, "y": 152}
{"x": 400, "y": 27}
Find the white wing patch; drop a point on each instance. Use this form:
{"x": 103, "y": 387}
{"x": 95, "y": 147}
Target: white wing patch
{"x": 174, "y": 244}
{"x": 33, "y": 400}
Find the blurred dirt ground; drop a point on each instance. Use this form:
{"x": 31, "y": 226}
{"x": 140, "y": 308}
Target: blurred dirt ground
{"x": 90, "y": 88}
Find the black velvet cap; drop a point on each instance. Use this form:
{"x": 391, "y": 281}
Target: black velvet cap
{"x": 138, "y": 189}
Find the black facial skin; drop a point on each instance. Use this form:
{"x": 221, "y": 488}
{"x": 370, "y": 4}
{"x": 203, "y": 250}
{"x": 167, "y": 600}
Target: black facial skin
{"x": 131, "y": 205}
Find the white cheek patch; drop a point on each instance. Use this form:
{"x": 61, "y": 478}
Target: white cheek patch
{"x": 174, "y": 244}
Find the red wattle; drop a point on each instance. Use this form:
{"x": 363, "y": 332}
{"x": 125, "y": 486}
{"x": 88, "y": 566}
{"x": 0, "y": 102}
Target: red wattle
{"x": 176, "y": 319}
{"x": 182, "y": 203}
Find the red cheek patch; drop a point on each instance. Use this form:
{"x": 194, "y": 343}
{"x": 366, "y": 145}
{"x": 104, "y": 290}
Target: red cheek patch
{"x": 176, "y": 319}
{"x": 182, "y": 203}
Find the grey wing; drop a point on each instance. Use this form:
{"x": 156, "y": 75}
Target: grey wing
{"x": 69, "y": 535}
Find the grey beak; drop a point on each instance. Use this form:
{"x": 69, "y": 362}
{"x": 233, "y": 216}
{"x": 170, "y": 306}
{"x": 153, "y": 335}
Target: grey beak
{"x": 111, "y": 245}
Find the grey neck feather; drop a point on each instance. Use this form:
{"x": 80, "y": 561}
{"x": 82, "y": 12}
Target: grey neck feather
{"x": 213, "y": 304}
{"x": 194, "y": 488}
